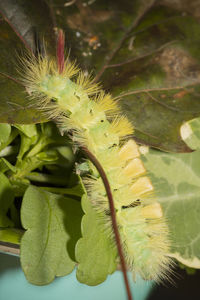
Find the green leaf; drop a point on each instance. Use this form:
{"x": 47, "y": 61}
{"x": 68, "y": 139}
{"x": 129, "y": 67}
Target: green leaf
{"x": 96, "y": 29}
{"x": 19, "y": 186}
{"x": 14, "y": 106}
{"x": 159, "y": 79}
{"x": 6, "y": 199}
{"x": 14, "y": 102}
{"x": 5, "y": 130}
{"x": 53, "y": 227}
{"x": 77, "y": 190}
{"x": 3, "y": 151}
{"x": 176, "y": 178}
{"x": 142, "y": 49}
{"x": 11, "y": 235}
{"x": 146, "y": 54}
{"x": 28, "y": 130}
{"x": 190, "y": 133}
{"x": 27, "y": 25}
{"x": 29, "y": 136}
{"x": 95, "y": 252}
{"x": 5, "y": 163}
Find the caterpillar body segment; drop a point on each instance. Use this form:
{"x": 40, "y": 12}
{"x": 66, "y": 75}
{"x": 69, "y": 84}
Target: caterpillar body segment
{"x": 78, "y": 105}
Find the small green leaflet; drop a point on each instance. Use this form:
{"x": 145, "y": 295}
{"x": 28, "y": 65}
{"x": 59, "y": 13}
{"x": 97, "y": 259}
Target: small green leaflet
{"x": 95, "y": 252}
{"x": 53, "y": 227}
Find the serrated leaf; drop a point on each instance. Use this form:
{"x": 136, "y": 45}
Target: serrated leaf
{"x": 53, "y": 227}
{"x": 95, "y": 252}
{"x": 6, "y": 199}
{"x": 176, "y": 178}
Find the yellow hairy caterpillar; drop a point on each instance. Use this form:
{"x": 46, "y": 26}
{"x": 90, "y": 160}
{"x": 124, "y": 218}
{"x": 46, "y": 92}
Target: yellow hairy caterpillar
{"x": 93, "y": 118}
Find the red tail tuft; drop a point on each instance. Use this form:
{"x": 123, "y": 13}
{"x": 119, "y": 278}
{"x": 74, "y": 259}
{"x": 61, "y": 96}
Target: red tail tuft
{"x": 60, "y": 51}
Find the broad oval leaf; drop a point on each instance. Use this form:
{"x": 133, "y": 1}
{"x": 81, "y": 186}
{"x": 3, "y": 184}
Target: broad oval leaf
{"x": 52, "y": 224}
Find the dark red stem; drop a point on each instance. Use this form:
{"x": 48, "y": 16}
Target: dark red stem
{"x": 104, "y": 178}
{"x": 60, "y": 51}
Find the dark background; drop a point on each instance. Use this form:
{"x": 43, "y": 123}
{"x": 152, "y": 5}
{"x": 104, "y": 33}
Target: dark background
{"x": 185, "y": 287}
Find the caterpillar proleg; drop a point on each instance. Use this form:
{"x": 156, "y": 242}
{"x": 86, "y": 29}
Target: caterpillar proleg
{"x": 81, "y": 107}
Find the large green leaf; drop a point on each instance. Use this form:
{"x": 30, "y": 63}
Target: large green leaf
{"x": 147, "y": 53}
{"x": 176, "y": 178}
{"x": 95, "y": 253}
{"x": 95, "y": 30}
{"x": 53, "y": 227}
{"x": 160, "y": 78}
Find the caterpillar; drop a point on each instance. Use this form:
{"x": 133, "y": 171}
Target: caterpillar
{"x": 92, "y": 117}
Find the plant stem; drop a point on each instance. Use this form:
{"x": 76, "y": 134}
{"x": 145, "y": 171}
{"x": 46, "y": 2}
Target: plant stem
{"x": 76, "y": 191}
{"x": 46, "y": 178}
{"x": 104, "y": 178}
{"x": 43, "y": 142}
